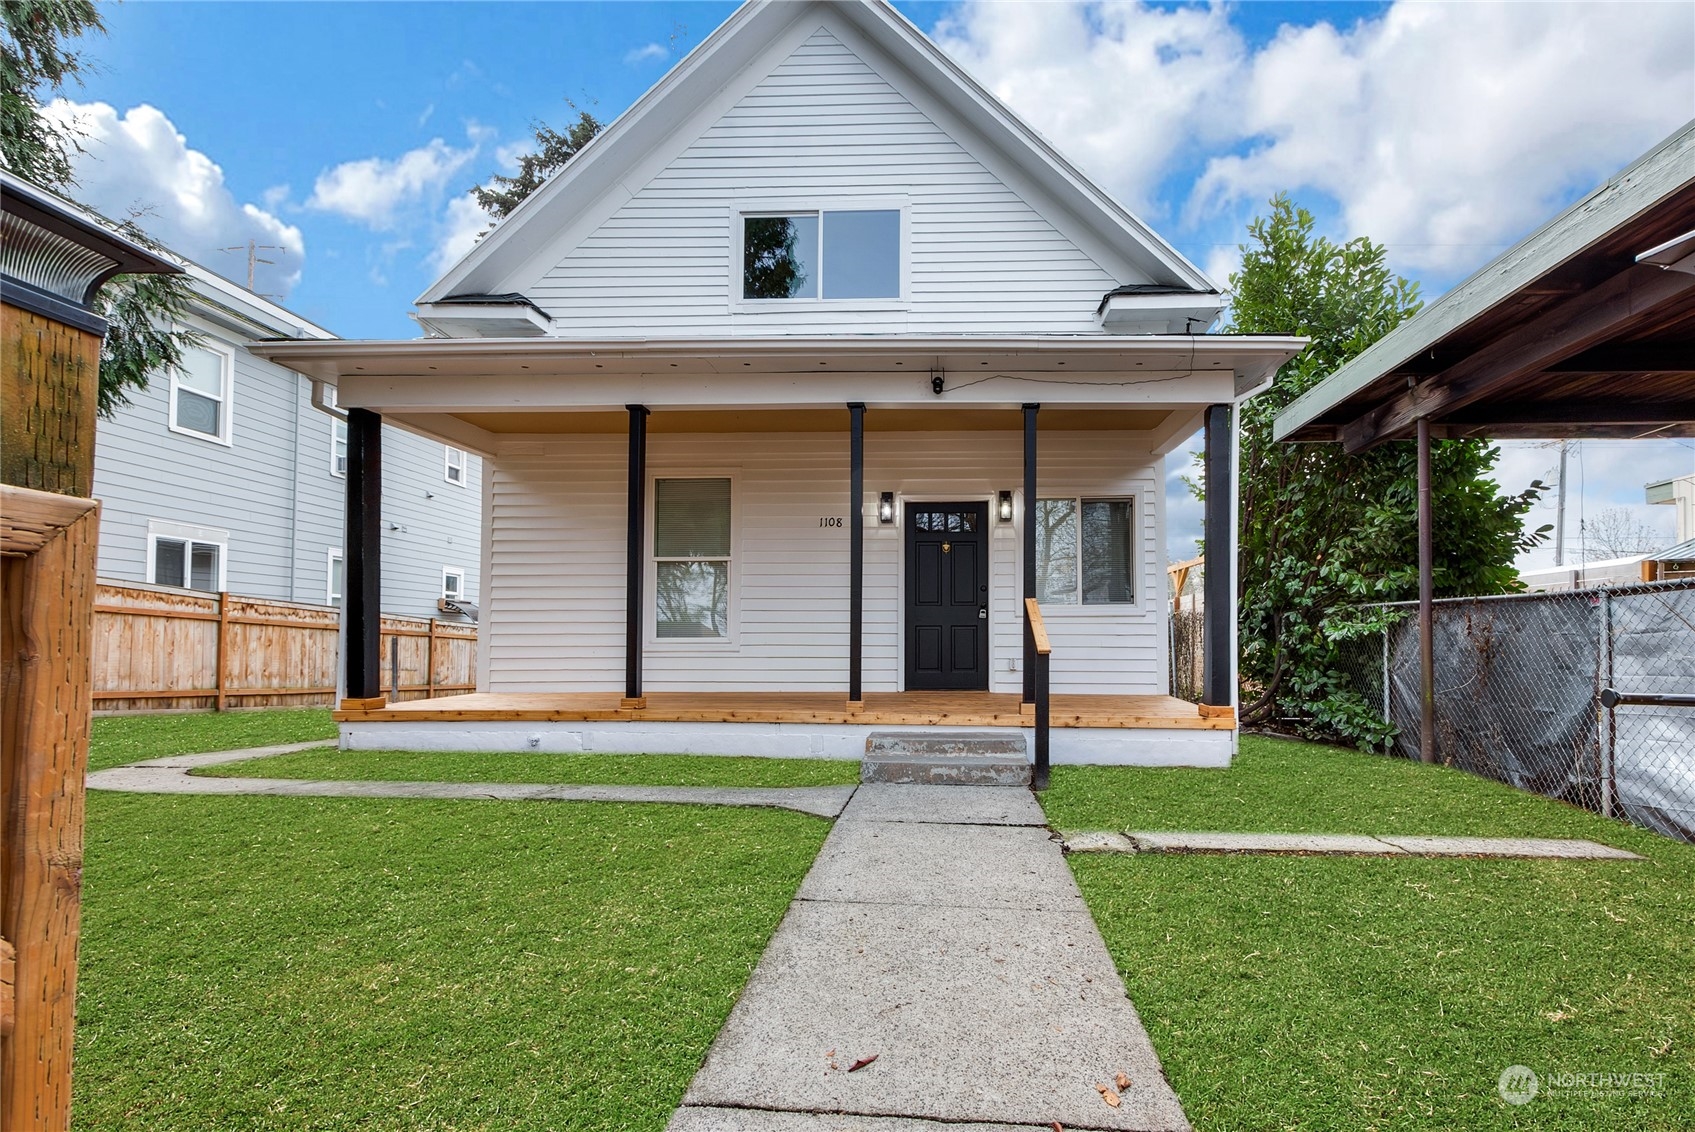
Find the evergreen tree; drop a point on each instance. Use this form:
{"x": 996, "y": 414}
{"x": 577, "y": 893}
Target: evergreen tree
{"x": 553, "y": 150}
{"x": 1323, "y": 531}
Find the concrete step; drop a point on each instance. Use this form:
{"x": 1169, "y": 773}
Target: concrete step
{"x": 963, "y": 758}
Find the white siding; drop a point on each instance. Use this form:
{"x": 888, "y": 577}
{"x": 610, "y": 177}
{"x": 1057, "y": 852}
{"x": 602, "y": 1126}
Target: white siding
{"x": 825, "y": 126}
{"x": 554, "y": 598}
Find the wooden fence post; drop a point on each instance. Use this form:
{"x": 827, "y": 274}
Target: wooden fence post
{"x": 47, "y": 579}
{"x": 223, "y": 646}
{"x": 430, "y": 661}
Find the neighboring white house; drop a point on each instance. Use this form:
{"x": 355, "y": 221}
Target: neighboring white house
{"x": 224, "y": 476}
{"x": 755, "y": 378}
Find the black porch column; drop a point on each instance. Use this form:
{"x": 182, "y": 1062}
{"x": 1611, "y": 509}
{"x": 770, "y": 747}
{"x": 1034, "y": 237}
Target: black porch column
{"x": 635, "y": 562}
{"x": 1218, "y": 649}
{"x": 1029, "y": 548}
{"x": 362, "y": 555}
{"x": 856, "y": 551}
{"x": 1426, "y": 611}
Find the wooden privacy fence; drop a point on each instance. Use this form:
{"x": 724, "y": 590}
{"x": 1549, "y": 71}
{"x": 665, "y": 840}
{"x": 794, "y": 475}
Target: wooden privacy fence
{"x": 157, "y": 649}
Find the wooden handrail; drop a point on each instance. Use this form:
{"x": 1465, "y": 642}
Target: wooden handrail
{"x": 1037, "y": 629}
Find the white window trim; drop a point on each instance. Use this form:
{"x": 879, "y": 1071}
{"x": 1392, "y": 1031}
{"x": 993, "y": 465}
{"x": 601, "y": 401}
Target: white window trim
{"x": 740, "y": 210}
{"x": 338, "y": 435}
{"x": 183, "y": 532}
{"x": 453, "y": 571}
{"x": 1138, "y": 581}
{"x": 654, "y": 644}
{"x": 226, "y": 411}
{"x": 464, "y": 466}
{"x": 331, "y": 557}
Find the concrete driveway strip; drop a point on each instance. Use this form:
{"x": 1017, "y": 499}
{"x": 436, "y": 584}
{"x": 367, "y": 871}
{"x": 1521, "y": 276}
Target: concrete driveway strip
{"x": 963, "y": 958}
{"x": 172, "y": 777}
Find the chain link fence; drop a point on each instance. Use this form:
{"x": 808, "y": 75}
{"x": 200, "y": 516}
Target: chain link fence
{"x": 1519, "y": 683}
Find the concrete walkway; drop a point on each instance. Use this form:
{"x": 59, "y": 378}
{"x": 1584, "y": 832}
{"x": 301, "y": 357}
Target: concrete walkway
{"x": 171, "y": 776}
{"x": 941, "y": 933}
{"x": 1343, "y": 844}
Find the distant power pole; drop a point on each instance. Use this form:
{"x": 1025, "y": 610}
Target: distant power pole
{"x": 1560, "y": 511}
{"x": 253, "y": 248}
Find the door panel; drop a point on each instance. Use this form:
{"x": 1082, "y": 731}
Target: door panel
{"x": 947, "y": 597}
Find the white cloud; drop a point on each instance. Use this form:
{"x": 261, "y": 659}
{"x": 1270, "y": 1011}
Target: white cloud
{"x": 138, "y": 162}
{"x": 1123, "y": 90}
{"x": 372, "y": 191}
{"x": 647, "y": 51}
{"x": 464, "y": 222}
{"x": 1446, "y": 130}
{"x": 1443, "y": 130}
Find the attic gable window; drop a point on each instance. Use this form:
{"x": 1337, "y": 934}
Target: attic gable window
{"x": 828, "y": 254}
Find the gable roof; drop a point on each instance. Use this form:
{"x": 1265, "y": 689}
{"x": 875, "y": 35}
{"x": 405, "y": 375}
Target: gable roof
{"x": 617, "y": 162}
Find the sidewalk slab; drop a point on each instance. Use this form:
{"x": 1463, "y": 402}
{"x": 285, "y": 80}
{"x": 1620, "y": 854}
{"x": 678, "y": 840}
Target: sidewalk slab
{"x": 1098, "y": 841}
{"x": 689, "y": 1119}
{"x": 1309, "y": 843}
{"x": 1563, "y": 848}
{"x": 217, "y": 758}
{"x": 994, "y": 1015}
{"x": 942, "y": 866}
{"x": 946, "y": 805}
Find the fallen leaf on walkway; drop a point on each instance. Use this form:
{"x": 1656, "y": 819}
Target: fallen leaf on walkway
{"x": 1107, "y": 1095}
{"x": 861, "y": 1063}
{"x": 1057, "y": 1126}
{"x": 1122, "y": 1081}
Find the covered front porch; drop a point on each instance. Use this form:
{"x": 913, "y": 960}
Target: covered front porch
{"x": 782, "y": 546}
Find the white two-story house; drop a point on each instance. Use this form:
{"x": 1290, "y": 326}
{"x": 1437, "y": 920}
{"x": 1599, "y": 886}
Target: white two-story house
{"x": 224, "y": 476}
{"x": 817, "y": 395}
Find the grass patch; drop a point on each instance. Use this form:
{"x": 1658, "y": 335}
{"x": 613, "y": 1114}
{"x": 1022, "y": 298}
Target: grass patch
{"x": 280, "y": 963}
{"x": 586, "y": 770}
{"x": 1287, "y": 786}
{"x": 120, "y": 739}
{"x": 1384, "y": 993}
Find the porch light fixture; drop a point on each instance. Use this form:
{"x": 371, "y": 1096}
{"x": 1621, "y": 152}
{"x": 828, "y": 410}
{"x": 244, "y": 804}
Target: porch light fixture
{"x": 886, "y": 507}
{"x": 1005, "y": 512}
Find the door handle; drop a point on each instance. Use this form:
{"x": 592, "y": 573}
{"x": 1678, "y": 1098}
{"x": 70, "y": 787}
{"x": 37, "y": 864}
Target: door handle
{"x": 982, "y": 613}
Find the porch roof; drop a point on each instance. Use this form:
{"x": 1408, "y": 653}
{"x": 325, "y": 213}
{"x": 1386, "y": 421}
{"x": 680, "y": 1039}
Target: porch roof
{"x": 470, "y": 391}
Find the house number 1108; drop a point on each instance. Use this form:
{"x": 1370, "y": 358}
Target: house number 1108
{"x": 829, "y": 522}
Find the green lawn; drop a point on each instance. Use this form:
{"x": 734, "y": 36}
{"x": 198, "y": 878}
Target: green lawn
{"x": 120, "y": 739}
{"x": 282, "y": 963}
{"x": 1376, "y": 993}
{"x": 599, "y": 770}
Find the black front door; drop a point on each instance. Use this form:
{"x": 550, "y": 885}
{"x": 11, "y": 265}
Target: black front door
{"x": 947, "y": 596}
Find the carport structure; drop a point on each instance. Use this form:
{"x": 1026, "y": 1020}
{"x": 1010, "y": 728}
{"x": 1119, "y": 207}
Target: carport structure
{"x": 1585, "y": 328}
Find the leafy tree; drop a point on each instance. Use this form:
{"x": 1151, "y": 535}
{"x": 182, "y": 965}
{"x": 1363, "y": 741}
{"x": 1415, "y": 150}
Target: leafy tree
{"x": 1323, "y": 531}
{"x": 553, "y": 150}
{"x": 36, "y": 53}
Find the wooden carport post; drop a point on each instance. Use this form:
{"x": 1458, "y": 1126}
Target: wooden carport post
{"x": 53, "y": 261}
{"x": 1426, "y": 608}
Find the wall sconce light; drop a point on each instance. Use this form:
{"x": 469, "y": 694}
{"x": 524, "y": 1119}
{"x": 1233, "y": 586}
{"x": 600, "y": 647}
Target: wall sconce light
{"x": 1005, "y": 512}
{"x": 886, "y": 507}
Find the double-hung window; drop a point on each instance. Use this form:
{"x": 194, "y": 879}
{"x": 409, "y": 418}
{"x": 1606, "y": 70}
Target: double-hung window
{"x": 200, "y": 393}
{"x": 455, "y": 472}
{"x": 691, "y": 552}
{"x": 191, "y": 558}
{"x": 1084, "y": 552}
{"x": 338, "y": 436}
{"x": 828, "y": 254}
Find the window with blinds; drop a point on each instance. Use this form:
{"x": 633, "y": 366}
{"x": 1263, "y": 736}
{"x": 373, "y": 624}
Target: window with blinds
{"x": 691, "y": 553}
{"x": 1085, "y": 552}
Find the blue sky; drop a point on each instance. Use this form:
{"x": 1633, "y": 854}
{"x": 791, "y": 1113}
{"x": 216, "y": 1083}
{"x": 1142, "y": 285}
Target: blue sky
{"x": 349, "y": 133}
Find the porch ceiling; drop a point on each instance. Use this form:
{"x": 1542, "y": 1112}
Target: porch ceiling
{"x": 816, "y": 420}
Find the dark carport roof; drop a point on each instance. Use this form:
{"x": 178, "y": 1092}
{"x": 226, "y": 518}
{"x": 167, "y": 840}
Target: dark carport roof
{"x": 1584, "y": 328}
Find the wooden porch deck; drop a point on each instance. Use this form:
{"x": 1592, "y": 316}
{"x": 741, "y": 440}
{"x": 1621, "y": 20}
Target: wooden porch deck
{"x": 882, "y": 709}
